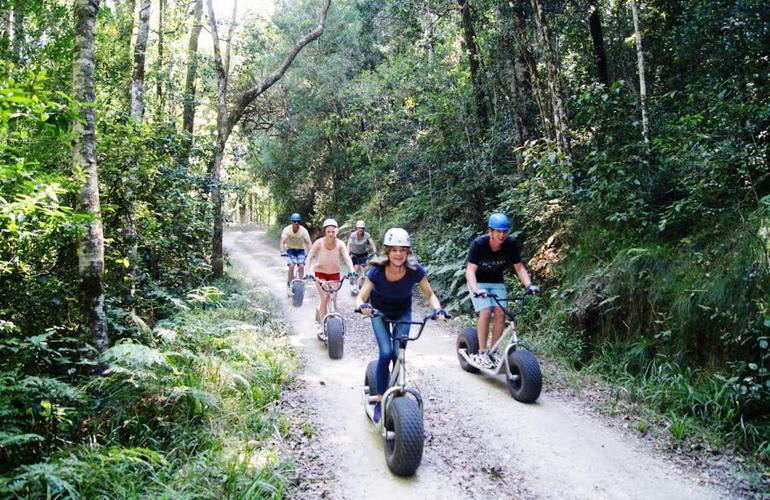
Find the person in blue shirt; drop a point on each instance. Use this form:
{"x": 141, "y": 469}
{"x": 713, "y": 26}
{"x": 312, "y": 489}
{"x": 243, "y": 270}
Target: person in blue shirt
{"x": 389, "y": 286}
{"x": 488, "y": 257}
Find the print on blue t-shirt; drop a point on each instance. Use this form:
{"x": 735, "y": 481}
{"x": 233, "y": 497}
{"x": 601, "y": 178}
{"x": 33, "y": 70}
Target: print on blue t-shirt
{"x": 393, "y": 298}
{"x": 492, "y": 264}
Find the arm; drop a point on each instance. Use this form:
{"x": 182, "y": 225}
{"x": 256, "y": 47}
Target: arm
{"x": 346, "y": 256}
{"x": 373, "y": 245}
{"x": 428, "y": 291}
{"x": 363, "y": 296}
{"x": 282, "y": 246}
{"x": 310, "y": 256}
{"x": 523, "y": 275}
{"x": 350, "y": 239}
{"x": 470, "y": 277}
{"x": 307, "y": 242}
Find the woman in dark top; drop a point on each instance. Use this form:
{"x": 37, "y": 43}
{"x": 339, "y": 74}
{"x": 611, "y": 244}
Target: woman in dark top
{"x": 390, "y": 282}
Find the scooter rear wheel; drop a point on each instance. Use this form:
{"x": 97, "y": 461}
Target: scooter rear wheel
{"x": 467, "y": 339}
{"x": 403, "y": 453}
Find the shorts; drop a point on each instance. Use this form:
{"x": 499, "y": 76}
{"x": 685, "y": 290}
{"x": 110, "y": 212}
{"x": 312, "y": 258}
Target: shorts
{"x": 327, "y": 276}
{"x": 295, "y": 256}
{"x": 481, "y": 303}
{"x": 359, "y": 259}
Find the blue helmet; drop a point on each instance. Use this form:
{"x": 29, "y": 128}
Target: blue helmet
{"x": 499, "y": 221}
{"x": 295, "y": 217}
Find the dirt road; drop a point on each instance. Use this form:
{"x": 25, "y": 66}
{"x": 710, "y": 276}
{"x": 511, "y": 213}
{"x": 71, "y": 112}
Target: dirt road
{"x": 480, "y": 443}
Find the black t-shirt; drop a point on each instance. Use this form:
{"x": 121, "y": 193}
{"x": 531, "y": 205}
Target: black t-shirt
{"x": 492, "y": 264}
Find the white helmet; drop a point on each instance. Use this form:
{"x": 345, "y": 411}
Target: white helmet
{"x": 330, "y": 222}
{"x": 397, "y": 237}
{"x": 360, "y": 224}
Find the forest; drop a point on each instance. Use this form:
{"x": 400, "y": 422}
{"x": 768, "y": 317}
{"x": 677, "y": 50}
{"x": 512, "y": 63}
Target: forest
{"x": 627, "y": 140}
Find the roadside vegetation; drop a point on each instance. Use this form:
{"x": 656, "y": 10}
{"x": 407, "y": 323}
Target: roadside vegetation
{"x": 187, "y": 410}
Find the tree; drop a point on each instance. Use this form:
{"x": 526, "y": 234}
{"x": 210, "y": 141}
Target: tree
{"x": 597, "y": 37}
{"x": 228, "y": 119}
{"x": 560, "y": 122}
{"x": 642, "y": 79}
{"x": 91, "y": 248}
{"x": 140, "y": 48}
{"x": 479, "y": 90}
{"x": 188, "y": 115}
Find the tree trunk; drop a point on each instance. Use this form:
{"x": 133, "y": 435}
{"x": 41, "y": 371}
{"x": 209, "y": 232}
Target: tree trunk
{"x": 561, "y": 125}
{"x": 642, "y": 80}
{"x": 479, "y": 90}
{"x": 227, "y": 120}
{"x": 126, "y": 30}
{"x": 188, "y": 113}
{"x": 597, "y": 36}
{"x": 140, "y": 48}
{"x": 18, "y": 31}
{"x": 159, "y": 73}
{"x": 91, "y": 248}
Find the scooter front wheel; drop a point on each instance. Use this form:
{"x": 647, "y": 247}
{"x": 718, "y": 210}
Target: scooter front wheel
{"x": 298, "y": 291}
{"x": 403, "y": 450}
{"x": 524, "y": 379}
{"x": 335, "y": 337}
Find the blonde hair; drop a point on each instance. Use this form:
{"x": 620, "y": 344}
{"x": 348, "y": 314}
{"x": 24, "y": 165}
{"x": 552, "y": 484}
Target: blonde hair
{"x": 383, "y": 259}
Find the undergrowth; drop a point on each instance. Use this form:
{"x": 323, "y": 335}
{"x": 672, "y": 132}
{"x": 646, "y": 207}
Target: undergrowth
{"x": 682, "y": 327}
{"x": 188, "y": 413}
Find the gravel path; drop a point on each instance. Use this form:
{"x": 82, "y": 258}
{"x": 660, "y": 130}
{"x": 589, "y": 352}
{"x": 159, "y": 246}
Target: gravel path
{"x": 479, "y": 442}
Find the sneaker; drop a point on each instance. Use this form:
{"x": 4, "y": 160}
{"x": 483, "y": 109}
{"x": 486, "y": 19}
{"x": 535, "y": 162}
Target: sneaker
{"x": 494, "y": 358}
{"x": 482, "y": 359}
{"x": 377, "y": 412}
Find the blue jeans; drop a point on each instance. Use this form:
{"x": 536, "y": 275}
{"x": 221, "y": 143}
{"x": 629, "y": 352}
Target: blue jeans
{"x": 388, "y": 346}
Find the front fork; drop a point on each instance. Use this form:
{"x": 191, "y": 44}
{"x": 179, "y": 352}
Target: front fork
{"x": 397, "y": 388}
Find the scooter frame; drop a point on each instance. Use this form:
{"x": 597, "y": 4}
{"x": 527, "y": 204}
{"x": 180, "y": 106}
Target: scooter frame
{"x": 505, "y": 345}
{"x": 397, "y": 386}
{"x": 331, "y": 310}
{"x": 403, "y": 459}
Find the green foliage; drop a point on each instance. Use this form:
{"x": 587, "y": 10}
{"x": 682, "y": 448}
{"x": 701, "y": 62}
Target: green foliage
{"x": 201, "y": 398}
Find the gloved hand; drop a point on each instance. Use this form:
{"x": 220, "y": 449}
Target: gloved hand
{"x": 351, "y": 274}
{"x": 284, "y": 254}
{"x": 366, "y": 309}
{"x": 480, "y": 294}
{"x": 307, "y": 277}
{"x": 440, "y": 314}
{"x": 532, "y": 289}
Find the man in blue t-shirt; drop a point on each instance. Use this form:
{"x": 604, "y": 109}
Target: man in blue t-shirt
{"x": 489, "y": 256}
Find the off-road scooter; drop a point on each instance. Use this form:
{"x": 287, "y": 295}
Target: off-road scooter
{"x": 296, "y": 286}
{"x": 509, "y": 357}
{"x": 401, "y": 422}
{"x": 332, "y": 326}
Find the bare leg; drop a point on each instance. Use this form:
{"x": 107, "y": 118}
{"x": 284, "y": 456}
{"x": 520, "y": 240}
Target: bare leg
{"x": 498, "y": 325}
{"x": 291, "y": 275}
{"x": 482, "y": 328}
{"x": 301, "y": 273}
{"x": 323, "y": 299}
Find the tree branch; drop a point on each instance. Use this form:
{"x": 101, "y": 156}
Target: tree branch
{"x": 247, "y": 96}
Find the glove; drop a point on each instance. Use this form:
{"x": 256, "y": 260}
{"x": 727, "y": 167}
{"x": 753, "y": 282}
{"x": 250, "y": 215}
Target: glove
{"x": 532, "y": 289}
{"x": 307, "y": 277}
{"x": 365, "y": 307}
{"x": 351, "y": 274}
{"x": 284, "y": 254}
{"x": 440, "y": 312}
{"x": 481, "y": 293}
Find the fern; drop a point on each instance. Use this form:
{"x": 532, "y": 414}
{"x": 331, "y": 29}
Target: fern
{"x": 130, "y": 355}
